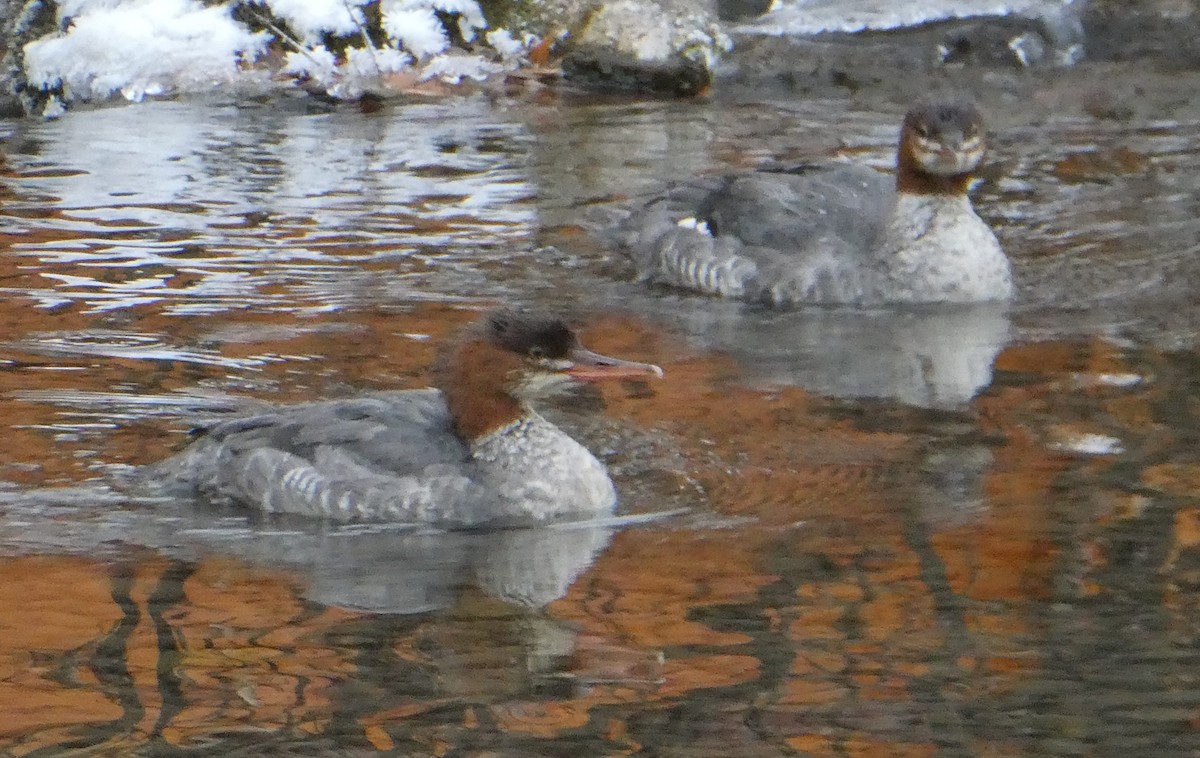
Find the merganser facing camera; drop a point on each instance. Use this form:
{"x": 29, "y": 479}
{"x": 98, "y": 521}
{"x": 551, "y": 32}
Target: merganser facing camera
{"x": 839, "y": 233}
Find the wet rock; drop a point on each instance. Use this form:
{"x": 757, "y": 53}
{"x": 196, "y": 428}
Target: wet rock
{"x": 738, "y": 10}
{"x": 10, "y": 68}
{"x": 854, "y": 60}
{"x": 931, "y": 34}
{"x": 660, "y": 46}
{"x": 23, "y": 20}
{"x": 857, "y": 44}
{"x": 600, "y": 69}
{"x": 984, "y": 22}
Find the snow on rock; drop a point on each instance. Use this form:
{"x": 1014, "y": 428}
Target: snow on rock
{"x": 417, "y": 29}
{"x": 417, "y": 36}
{"x": 470, "y": 16}
{"x": 153, "y": 47}
{"x": 817, "y": 16}
{"x": 139, "y": 48}
{"x": 368, "y": 62}
{"x": 506, "y": 46}
{"x": 453, "y": 68}
{"x": 312, "y": 18}
{"x": 315, "y": 63}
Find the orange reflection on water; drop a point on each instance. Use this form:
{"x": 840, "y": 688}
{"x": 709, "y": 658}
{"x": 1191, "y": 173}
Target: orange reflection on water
{"x": 56, "y": 610}
{"x": 84, "y": 646}
{"x": 251, "y": 654}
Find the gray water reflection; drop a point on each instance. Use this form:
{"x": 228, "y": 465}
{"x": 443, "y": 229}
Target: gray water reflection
{"x": 924, "y": 357}
{"x": 206, "y": 208}
{"x": 402, "y": 569}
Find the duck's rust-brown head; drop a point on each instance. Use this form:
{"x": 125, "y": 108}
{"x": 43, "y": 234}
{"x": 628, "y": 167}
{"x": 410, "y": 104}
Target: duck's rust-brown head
{"x": 941, "y": 146}
{"x": 510, "y": 359}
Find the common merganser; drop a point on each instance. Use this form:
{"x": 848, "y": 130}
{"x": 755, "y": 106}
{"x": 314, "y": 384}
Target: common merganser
{"x": 469, "y": 454}
{"x": 834, "y": 234}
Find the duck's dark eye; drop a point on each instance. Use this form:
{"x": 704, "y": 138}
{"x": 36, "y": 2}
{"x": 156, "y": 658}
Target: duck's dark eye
{"x": 537, "y": 351}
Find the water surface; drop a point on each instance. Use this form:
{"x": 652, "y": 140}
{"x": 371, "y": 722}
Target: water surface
{"x": 923, "y": 532}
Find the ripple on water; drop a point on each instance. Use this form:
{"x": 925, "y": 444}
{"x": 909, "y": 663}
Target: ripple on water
{"x": 907, "y": 531}
{"x": 231, "y": 203}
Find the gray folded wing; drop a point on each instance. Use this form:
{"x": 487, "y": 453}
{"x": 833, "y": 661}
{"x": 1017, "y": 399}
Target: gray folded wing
{"x": 802, "y": 235}
{"x": 387, "y": 456}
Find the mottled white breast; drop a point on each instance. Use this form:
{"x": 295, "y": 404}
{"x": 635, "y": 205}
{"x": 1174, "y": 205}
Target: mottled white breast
{"x": 936, "y": 249}
{"x": 540, "y": 473}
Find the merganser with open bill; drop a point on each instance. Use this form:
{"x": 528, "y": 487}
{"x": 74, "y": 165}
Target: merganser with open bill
{"x": 836, "y": 234}
{"x": 470, "y": 453}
